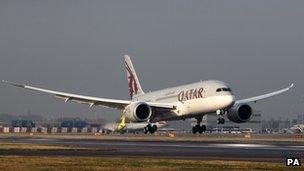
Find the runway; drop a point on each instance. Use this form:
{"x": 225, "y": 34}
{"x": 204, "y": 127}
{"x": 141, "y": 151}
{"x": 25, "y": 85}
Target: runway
{"x": 159, "y": 149}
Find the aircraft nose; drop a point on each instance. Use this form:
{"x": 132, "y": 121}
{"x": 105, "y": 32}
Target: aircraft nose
{"x": 230, "y": 100}
{"x": 225, "y": 101}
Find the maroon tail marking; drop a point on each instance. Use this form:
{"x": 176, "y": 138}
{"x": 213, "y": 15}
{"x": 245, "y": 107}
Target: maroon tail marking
{"x": 132, "y": 82}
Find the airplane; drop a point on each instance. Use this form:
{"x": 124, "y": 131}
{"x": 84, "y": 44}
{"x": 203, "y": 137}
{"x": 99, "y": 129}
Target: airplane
{"x": 297, "y": 129}
{"x": 177, "y": 103}
{"x": 132, "y": 127}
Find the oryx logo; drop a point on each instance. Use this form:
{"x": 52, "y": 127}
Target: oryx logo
{"x": 132, "y": 81}
{"x": 293, "y": 162}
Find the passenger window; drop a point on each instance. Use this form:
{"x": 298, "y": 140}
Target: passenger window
{"x": 218, "y": 90}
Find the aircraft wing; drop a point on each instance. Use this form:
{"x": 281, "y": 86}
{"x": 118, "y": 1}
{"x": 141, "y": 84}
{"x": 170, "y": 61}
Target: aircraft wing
{"x": 264, "y": 96}
{"x": 92, "y": 101}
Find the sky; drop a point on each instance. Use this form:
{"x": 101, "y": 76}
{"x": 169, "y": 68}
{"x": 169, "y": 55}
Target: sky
{"x": 77, "y": 46}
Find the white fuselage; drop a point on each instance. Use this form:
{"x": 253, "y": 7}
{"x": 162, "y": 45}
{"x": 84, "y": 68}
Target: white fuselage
{"x": 193, "y": 99}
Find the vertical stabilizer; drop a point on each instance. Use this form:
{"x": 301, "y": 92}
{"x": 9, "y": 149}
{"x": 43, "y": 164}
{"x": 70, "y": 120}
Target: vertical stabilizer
{"x": 133, "y": 82}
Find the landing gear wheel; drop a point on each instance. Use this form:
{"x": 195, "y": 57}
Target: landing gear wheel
{"x": 223, "y": 121}
{"x": 195, "y": 129}
{"x": 198, "y": 128}
{"x": 154, "y": 128}
{"x": 151, "y": 129}
{"x": 202, "y": 129}
{"x": 146, "y": 130}
{"x": 220, "y": 121}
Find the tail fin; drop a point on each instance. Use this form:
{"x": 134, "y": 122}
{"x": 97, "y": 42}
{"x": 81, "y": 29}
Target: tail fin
{"x": 134, "y": 85}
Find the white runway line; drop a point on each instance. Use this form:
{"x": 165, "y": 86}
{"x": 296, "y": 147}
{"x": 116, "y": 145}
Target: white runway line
{"x": 244, "y": 145}
{"x": 297, "y": 146}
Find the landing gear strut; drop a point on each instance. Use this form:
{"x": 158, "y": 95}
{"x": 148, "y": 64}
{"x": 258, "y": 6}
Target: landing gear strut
{"x": 220, "y": 113}
{"x": 198, "y": 128}
{"x": 150, "y": 129}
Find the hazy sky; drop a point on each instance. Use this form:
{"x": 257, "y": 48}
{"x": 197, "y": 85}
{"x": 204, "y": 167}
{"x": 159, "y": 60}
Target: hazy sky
{"x": 77, "y": 46}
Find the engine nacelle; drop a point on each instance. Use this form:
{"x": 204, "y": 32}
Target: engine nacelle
{"x": 138, "y": 112}
{"x": 240, "y": 113}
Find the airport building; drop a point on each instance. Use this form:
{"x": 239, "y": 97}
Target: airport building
{"x": 23, "y": 123}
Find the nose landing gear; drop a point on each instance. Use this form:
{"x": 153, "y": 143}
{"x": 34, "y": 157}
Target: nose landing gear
{"x": 198, "y": 128}
{"x": 220, "y": 113}
{"x": 220, "y": 121}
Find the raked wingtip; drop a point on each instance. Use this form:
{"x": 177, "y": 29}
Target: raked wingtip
{"x": 13, "y": 84}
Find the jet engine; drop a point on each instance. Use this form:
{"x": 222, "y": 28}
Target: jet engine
{"x": 138, "y": 112}
{"x": 239, "y": 113}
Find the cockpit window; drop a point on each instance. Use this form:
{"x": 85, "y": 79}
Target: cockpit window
{"x": 226, "y": 89}
{"x": 223, "y": 89}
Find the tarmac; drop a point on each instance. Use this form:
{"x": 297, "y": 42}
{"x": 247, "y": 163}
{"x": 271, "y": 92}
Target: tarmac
{"x": 208, "y": 150}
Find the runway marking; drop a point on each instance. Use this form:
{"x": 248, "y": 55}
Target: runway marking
{"x": 297, "y": 146}
{"x": 41, "y": 139}
{"x": 244, "y": 145}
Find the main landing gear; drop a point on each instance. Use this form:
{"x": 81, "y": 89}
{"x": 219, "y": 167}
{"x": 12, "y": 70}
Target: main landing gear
{"x": 198, "y": 128}
{"x": 220, "y": 113}
{"x": 150, "y": 129}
